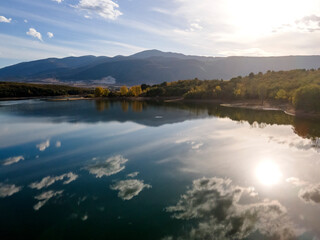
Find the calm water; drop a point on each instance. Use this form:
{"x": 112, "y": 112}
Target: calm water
{"x": 138, "y": 170}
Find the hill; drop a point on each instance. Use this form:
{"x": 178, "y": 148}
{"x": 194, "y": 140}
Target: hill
{"x": 150, "y": 67}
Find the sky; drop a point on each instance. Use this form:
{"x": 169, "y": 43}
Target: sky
{"x": 36, "y": 29}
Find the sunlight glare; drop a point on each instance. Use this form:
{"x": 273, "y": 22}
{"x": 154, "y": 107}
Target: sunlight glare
{"x": 268, "y": 173}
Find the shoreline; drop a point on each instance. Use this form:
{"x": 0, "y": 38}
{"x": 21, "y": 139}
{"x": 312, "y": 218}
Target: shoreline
{"x": 245, "y": 104}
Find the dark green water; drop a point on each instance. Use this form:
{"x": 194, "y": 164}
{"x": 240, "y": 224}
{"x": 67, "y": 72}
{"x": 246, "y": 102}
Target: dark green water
{"x": 143, "y": 170}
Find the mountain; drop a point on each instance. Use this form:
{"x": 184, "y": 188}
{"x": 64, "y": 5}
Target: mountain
{"x": 151, "y": 67}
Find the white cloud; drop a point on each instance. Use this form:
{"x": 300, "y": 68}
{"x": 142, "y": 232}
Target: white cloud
{"x": 104, "y": 8}
{"x": 215, "y": 205}
{"x": 111, "y": 166}
{"x": 58, "y": 1}
{"x": 26, "y": 21}
{"x": 5, "y": 20}
{"x": 50, "y": 34}
{"x": 33, "y": 33}
{"x": 129, "y": 188}
{"x": 7, "y": 190}
{"x": 309, "y": 192}
{"x": 43, "y": 146}
{"x": 195, "y": 26}
{"x": 45, "y": 197}
{"x": 49, "y": 180}
{"x": 13, "y": 160}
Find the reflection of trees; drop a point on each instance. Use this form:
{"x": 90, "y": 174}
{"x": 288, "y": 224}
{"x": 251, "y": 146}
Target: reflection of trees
{"x": 305, "y": 128}
{"x": 102, "y": 105}
{"x": 99, "y": 105}
{"x": 137, "y": 106}
{"x": 124, "y": 106}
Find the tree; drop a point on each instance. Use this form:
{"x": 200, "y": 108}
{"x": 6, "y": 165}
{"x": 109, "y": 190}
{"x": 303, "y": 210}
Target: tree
{"x": 98, "y": 92}
{"x": 144, "y": 86}
{"x": 106, "y": 92}
{"x": 281, "y": 95}
{"x": 262, "y": 92}
{"x": 135, "y": 91}
{"x": 124, "y": 90}
{"x": 307, "y": 98}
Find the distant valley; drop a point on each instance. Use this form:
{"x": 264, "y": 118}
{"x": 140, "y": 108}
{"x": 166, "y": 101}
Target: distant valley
{"x": 150, "y": 67}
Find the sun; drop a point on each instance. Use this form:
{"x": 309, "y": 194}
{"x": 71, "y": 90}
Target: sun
{"x": 268, "y": 173}
{"x": 255, "y": 18}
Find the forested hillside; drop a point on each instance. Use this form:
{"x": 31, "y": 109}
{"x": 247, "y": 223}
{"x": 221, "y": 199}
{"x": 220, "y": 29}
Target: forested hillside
{"x": 11, "y": 90}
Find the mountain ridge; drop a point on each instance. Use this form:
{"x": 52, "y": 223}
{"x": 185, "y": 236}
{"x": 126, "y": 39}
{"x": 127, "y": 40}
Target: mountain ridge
{"x": 150, "y": 66}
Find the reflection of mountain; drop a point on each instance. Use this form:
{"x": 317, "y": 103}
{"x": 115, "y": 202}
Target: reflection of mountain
{"x": 156, "y": 114}
{"x": 144, "y": 113}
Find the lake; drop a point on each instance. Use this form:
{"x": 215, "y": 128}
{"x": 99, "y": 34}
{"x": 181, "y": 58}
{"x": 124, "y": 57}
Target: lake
{"x": 150, "y": 170}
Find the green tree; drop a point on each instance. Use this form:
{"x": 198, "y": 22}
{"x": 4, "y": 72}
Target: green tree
{"x": 262, "y": 92}
{"x": 307, "y": 98}
{"x": 281, "y": 95}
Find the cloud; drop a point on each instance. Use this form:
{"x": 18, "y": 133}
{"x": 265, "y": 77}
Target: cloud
{"x": 26, "y": 21}
{"x": 309, "y": 192}
{"x": 195, "y": 27}
{"x": 7, "y": 190}
{"x": 106, "y": 9}
{"x": 132, "y": 175}
{"x": 111, "y": 166}
{"x": 309, "y": 23}
{"x": 45, "y": 197}
{"x": 43, "y": 146}
{"x": 50, "y": 35}
{"x": 33, "y": 33}
{"x": 58, "y": 1}
{"x": 12, "y": 160}
{"x": 58, "y": 144}
{"x": 296, "y": 181}
{"x": 214, "y": 204}
{"x": 5, "y": 20}
{"x": 47, "y": 181}
{"x": 129, "y": 188}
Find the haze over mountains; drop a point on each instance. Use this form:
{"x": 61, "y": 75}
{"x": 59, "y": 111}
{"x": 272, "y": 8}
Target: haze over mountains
{"x": 151, "y": 67}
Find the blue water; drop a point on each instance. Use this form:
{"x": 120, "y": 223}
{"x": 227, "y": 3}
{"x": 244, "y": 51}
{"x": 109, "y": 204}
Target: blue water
{"x": 149, "y": 170}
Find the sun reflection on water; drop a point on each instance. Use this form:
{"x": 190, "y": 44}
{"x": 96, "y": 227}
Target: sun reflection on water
{"x": 268, "y": 173}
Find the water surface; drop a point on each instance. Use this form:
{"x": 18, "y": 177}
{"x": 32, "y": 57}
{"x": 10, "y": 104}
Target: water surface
{"x": 148, "y": 170}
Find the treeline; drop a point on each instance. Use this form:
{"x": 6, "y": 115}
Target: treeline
{"x": 13, "y": 89}
{"x": 301, "y": 88}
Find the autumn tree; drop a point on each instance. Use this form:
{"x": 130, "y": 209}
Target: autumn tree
{"x": 135, "y": 91}
{"x": 106, "y": 92}
{"x": 124, "y": 90}
{"x": 98, "y": 92}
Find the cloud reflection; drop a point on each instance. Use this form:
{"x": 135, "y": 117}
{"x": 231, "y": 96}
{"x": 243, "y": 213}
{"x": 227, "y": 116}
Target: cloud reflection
{"x": 49, "y": 180}
{"x": 12, "y": 160}
{"x": 216, "y": 205}
{"x": 58, "y": 144}
{"x": 43, "y": 146}
{"x": 309, "y": 192}
{"x": 111, "y": 166}
{"x": 45, "y": 197}
{"x": 7, "y": 190}
{"x": 132, "y": 175}
{"x": 129, "y": 188}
